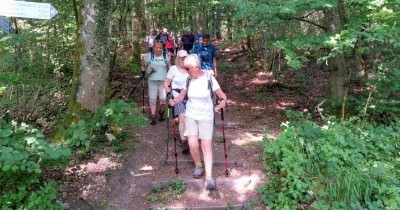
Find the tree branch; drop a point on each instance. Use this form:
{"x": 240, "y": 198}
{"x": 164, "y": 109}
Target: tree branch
{"x": 310, "y": 22}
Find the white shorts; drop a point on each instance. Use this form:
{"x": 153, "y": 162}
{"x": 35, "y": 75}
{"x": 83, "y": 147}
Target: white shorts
{"x": 204, "y": 129}
{"x": 156, "y": 88}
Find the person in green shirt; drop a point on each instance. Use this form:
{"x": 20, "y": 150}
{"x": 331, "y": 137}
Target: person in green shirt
{"x": 157, "y": 64}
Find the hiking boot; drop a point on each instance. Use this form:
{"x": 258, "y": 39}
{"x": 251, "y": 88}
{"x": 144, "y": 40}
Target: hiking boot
{"x": 210, "y": 184}
{"x": 162, "y": 118}
{"x": 153, "y": 120}
{"x": 198, "y": 172}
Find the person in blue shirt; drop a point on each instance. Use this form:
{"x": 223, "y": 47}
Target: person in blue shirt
{"x": 207, "y": 54}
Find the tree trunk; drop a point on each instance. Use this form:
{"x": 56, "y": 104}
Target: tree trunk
{"x": 91, "y": 64}
{"x": 337, "y": 66}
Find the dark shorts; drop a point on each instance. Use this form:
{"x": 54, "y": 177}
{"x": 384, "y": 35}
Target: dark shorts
{"x": 181, "y": 107}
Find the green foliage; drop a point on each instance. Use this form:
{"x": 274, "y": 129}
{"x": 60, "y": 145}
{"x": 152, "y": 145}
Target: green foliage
{"x": 24, "y": 154}
{"x": 25, "y": 151}
{"x": 224, "y": 68}
{"x": 160, "y": 193}
{"x": 117, "y": 114}
{"x": 106, "y": 128}
{"x": 340, "y": 165}
{"x": 78, "y": 135}
{"x": 385, "y": 104}
{"x": 262, "y": 97}
{"x": 43, "y": 198}
{"x": 177, "y": 187}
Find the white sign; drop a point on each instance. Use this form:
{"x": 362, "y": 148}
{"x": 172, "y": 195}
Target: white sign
{"x": 25, "y": 9}
{"x": 5, "y": 25}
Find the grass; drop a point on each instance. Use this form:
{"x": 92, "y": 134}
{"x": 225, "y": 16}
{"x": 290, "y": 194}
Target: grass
{"x": 161, "y": 193}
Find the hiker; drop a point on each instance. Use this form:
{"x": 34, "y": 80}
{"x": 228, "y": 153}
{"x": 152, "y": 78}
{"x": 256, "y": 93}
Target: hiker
{"x": 207, "y": 54}
{"x": 176, "y": 79}
{"x": 157, "y": 64}
{"x": 163, "y": 36}
{"x": 199, "y": 116}
{"x": 187, "y": 41}
{"x": 169, "y": 46}
{"x": 174, "y": 42}
{"x": 149, "y": 40}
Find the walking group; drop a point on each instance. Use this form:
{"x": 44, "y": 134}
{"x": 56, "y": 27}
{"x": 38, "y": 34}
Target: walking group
{"x": 181, "y": 73}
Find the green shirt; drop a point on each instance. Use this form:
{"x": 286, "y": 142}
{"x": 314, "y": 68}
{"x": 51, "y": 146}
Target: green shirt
{"x": 158, "y": 66}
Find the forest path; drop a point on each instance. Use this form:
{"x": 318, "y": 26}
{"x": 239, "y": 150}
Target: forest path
{"x": 145, "y": 166}
{"x": 254, "y": 104}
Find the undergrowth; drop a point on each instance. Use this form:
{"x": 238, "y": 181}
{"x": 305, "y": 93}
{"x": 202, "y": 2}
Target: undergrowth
{"x": 339, "y": 165}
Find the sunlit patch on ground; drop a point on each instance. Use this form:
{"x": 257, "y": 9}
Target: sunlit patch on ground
{"x": 245, "y": 185}
{"x": 146, "y": 168}
{"x": 236, "y": 103}
{"x": 257, "y": 108}
{"x": 283, "y": 105}
{"x": 102, "y": 165}
{"x": 248, "y": 138}
{"x": 262, "y": 78}
{"x": 201, "y": 195}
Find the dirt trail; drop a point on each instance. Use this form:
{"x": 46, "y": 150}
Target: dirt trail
{"x": 123, "y": 181}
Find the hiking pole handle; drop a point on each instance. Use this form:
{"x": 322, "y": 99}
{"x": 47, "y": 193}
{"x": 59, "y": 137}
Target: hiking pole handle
{"x": 168, "y": 98}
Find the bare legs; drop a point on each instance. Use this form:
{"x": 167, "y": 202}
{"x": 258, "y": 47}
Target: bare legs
{"x": 181, "y": 118}
{"x": 206, "y": 147}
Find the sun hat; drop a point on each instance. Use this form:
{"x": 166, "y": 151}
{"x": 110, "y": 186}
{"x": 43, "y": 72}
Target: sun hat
{"x": 182, "y": 53}
{"x": 165, "y": 30}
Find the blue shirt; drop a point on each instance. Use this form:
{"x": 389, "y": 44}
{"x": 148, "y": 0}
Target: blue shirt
{"x": 206, "y": 55}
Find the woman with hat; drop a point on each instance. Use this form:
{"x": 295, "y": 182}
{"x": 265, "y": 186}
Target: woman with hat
{"x": 175, "y": 81}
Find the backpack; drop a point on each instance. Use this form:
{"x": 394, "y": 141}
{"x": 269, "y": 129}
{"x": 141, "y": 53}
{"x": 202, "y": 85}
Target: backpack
{"x": 209, "y": 87}
{"x": 188, "y": 39}
{"x": 164, "y": 56}
{"x": 152, "y": 59}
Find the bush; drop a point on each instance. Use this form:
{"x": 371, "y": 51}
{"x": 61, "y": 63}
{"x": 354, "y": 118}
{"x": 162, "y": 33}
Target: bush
{"x": 340, "y": 165}
{"x": 24, "y": 154}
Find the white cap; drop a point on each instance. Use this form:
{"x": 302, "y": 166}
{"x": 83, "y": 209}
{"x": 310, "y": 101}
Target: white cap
{"x": 165, "y": 30}
{"x": 182, "y": 54}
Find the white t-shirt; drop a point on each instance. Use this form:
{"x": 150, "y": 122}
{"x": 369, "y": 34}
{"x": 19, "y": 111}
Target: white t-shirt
{"x": 200, "y": 105}
{"x": 178, "y": 79}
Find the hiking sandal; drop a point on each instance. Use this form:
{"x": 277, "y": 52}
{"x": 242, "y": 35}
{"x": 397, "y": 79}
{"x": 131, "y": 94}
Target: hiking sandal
{"x": 198, "y": 172}
{"x": 210, "y": 184}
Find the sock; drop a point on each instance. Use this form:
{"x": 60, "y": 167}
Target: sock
{"x": 199, "y": 164}
{"x": 209, "y": 177}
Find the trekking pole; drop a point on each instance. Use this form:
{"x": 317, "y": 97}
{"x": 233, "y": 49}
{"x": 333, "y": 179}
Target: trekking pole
{"x": 175, "y": 139}
{"x": 143, "y": 84}
{"x": 166, "y": 153}
{"x": 223, "y": 138}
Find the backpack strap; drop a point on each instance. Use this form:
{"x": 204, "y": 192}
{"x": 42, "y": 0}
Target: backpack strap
{"x": 164, "y": 56}
{"x": 210, "y": 85}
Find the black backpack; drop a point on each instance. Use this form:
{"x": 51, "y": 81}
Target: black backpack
{"x": 188, "y": 39}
